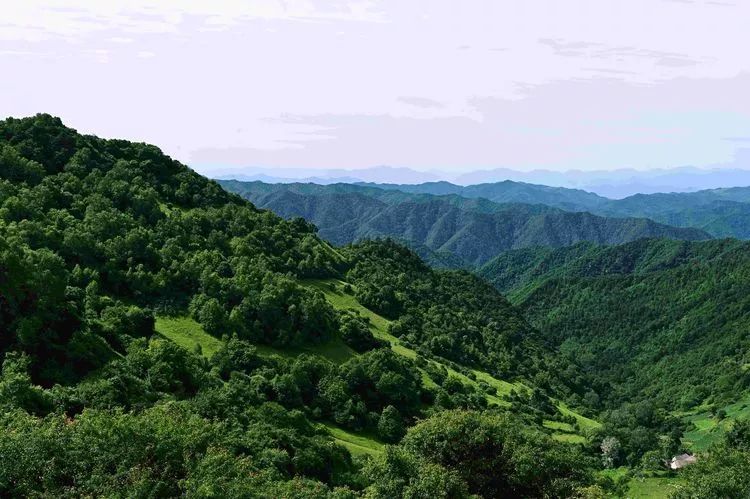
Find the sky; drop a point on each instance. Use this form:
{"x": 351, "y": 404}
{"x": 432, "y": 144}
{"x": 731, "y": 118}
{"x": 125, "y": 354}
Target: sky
{"x": 426, "y": 84}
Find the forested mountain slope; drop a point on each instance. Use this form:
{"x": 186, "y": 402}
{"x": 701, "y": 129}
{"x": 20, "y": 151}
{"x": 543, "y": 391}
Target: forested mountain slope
{"x": 101, "y": 240}
{"x": 654, "y": 319}
{"x": 472, "y": 231}
{"x": 721, "y": 212}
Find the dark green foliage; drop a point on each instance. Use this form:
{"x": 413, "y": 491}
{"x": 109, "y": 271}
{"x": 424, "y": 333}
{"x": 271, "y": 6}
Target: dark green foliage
{"x": 496, "y": 457}
{"x": 362, "y": 387}
{"x": 163, "y": 452}
{"x": 40, "y": 315}
{"x": 381, "y": 299}
{"x": 641, "y": 428}
{"x": 355, "y": 331}
{"x": 450, "y": 314}
{"x": 98, "y": 238}
{"x": 391, "y": 425}
{"x": 236, "y": 355}
{"x": 43, "y": 139}
{"x": 650, "y": 320}
{"x": 104, "y": 230}
{"x": 15, "y": 168}
{"x": 401, "y": 473}
{"x": 16, "y": 388}
{"x": 121, "y": 320}
{"x": 453, "y": 394}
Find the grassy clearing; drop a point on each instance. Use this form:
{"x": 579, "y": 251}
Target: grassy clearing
{"x": 708, "y": 429}
{"x": 569, "y": 438}
{"x": 559, "y": 426}
{"x": 657, "y": 486}
{"x": 187, "y": 333}
{"x": 652, "y": 487}
{"x": 583, "y": 422}
{"x": 333, "y": 290}
{"x": 564, "y": 432}
{"x": 357, "y": 444}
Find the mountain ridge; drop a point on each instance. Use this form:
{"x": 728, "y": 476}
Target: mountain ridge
{"x": 472, "y": 229}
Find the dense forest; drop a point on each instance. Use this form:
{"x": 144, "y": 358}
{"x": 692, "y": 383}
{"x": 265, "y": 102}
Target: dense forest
{"x": 102, "y": 239}
{"x": 162, "y": 337}
{"x": 653, "y": 321}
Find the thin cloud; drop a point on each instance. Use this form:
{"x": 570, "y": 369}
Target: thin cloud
{"x": 422, "y": 102}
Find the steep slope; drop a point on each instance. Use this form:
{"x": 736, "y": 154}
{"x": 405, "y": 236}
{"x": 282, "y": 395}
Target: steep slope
{"x": 472, "y": 231}
{"x": 657, "y": 320}
{"x": 113, "y": 257}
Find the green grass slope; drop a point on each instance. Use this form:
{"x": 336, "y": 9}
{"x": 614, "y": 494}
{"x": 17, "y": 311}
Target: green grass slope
{"x": 336, "y": 294}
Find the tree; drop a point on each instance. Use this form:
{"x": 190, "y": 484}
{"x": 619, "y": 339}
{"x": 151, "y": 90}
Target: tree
{"x": 496, "y": 456}
{"x": 16, "y": 388}
{"x": 397, "y": 472}
{"x": 391, "y": 425}
{"x": 610, "y": 447}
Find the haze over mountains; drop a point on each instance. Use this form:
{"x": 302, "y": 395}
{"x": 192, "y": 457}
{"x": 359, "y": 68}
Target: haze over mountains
{"x": 617, "y": 183}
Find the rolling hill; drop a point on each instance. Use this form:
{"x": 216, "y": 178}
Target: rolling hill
{"x": 509, "y": 191}
{"x": 163, "y": 337}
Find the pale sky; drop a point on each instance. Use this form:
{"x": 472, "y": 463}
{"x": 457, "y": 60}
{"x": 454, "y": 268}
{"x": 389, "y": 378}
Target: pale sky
{"x": 452, "y": 85}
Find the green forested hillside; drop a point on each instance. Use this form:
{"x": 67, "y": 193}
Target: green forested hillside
{"x": 161, "y": 337}
{"x": 115, "y": 258}
{"x": 720, "y": 212}
{"x": 655, "y": 320}
{"x": 660, "y": 329}
{"x": 447, "y": 230}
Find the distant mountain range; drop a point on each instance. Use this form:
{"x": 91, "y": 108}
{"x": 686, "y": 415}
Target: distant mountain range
{"x": 614, "y": 184}
{"x": 451, "y": 230}
{"x": 322, "y": 176}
